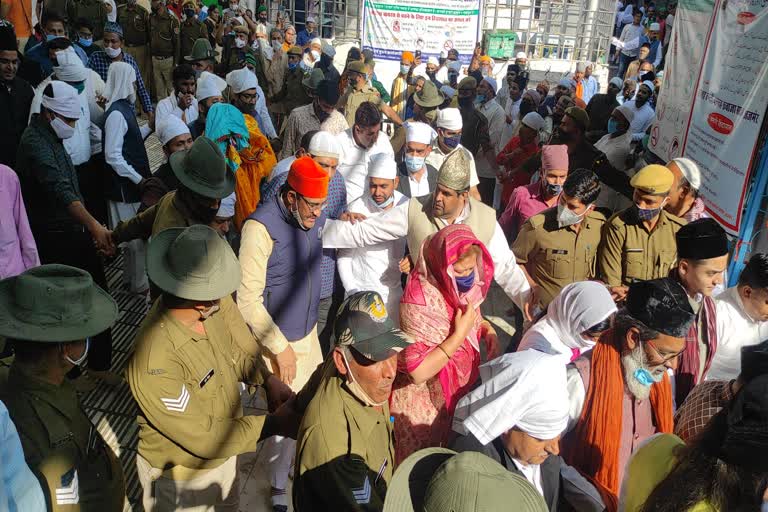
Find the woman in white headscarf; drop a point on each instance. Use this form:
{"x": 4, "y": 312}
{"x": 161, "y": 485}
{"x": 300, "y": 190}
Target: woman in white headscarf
{"x": 574, "y": 321}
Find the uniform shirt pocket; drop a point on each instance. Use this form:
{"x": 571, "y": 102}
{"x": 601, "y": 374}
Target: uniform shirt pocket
{"x": 635, "y": 263}
{"x": 558, "y": 263}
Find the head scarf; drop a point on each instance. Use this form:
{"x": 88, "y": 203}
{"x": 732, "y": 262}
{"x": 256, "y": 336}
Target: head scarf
{"x": 70, "y": 67}
{"x": 209, "y": 85}
{"x": 577, "y": 308}
{"x": 527, "y": 390}
{"x": 241, "y": 80}
{"x": 171, "y": 127}
{"x": 225, "y": 125}
{"x": 64, "y": 101}
{"x": 554, "y": 157}
{"x": 120, "y": 79}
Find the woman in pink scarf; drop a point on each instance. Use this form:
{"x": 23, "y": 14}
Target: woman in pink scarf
{"x": 440, "y": 312}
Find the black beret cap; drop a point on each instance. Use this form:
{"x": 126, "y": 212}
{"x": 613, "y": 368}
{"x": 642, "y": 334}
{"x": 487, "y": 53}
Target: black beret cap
{"x": 701, "y": 239}
{"x": 662, "y": 305}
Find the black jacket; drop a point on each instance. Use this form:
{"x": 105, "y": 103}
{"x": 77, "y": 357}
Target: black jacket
{"x": 15, "y": 103}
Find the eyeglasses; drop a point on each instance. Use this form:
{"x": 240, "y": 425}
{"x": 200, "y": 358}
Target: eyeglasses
{"x": 248, "y": 97}
{"x": 314, "y": 207}
{"x": 661, "y": 356}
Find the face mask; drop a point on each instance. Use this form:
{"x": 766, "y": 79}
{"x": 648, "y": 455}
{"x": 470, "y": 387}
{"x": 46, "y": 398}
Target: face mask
{"x": 464, "y": 283}
{"x": 414, "y": 163}
{"x": 62, "y": 129}
{"x": 645, "y": 377}
{"x": 613, "y": 126}
{"x": 452, "y": 142}
{"x": 566, "y": 217}
{"x": 82, "y": 358}
{"x": 198, "y": 72}
{"x": 315, "y": 54}
{"x": 484, "y": 72}
{"x": 305, "y": 66}
{"x": 292, "y": 65}
{"x": 298, "y": 219}
{"x": 239, "y": 43}
{"x": 206, "y": 313}
{"x": 355, "y": 388}
{"x": 86, "y": 42}
{"x": 112, "y": 53}
{"x": 386, "y": 203}
{"x": 454, "y": 65}
{"x": 465, "y": 102}
{"x": 479, "y": 99}
{"x": 552, "y": 189}
{"x": 50, "y": 37}
{"x": 648, "y": 213}
{"x": 276, "y": 45}
{"x": 404, "y": 69}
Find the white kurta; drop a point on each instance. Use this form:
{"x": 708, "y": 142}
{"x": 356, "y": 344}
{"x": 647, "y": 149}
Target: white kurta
{"x": 735, "y": 329}
{"x": 375, "y": 267}
{"x": 170, "y": 107}
{"x": 393, "y": 225}
{"x": 353, "y": 164}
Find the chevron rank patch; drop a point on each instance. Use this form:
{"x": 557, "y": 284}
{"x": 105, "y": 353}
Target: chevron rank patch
{"x": 68, "y": 493}
{"x": 363, "y": 494}
{"x": 177, "y": 404}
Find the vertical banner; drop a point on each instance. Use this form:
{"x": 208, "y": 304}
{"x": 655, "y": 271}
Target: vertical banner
{"x": 393, "y": 26}
{"x": 729, "y": 103}
{"x": 683, "y": 63}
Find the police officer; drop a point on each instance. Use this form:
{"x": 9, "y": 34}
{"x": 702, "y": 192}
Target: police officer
{"x": 559, "y": 245}
{"x": 135, "y": 22}
{"x": 93, "y": 10}
{"x": 192, "y": 29}
{"x": 293, "y": 94}
{"x": 49, "y": 313}
{"x": 358, "y": 92}
{"x": 164, "y": 47}
{"x": 639, "y": 242}
{"x": 190, "y": 354}
{"x": 345, "y": 448}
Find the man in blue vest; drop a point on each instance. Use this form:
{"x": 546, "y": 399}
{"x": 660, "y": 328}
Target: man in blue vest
{"x": 279, "y": 294}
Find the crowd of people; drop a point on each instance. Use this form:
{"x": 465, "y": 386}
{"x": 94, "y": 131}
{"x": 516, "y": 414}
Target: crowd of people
{"x": 335, "y": 244}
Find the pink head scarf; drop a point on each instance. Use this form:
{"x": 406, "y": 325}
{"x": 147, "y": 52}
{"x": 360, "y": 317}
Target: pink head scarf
{"x": 554, "y": 157}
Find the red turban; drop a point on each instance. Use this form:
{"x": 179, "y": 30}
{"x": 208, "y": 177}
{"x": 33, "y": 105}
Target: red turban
{"x": 308, "y": 179}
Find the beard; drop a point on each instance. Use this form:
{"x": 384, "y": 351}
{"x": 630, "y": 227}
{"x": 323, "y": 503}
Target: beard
{"x": 632, "y": 362}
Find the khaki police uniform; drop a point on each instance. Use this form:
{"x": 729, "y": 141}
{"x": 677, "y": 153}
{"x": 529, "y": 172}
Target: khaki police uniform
{"x": 345, "y": 451}
{"x": 629, "y": 252}
{"x": 93, "y": 10}
{"x": 556, "y": 257}
{"x": 135, "y": 22}
{"x": 293, "y": 94}
{"x": 353, "y": 99}
{"x": 164, "y": 29}
{"x": 191, "y": 30}
{"x": 191, "y": 423}
{"x": 76, "y": 468}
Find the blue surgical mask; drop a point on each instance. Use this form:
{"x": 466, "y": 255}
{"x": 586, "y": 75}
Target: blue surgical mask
{"x": 292, "y": 65}
{"x": 452, "y": 142}
{"x": 86, "y": 42}
{"x": 414, "y": 163}
{"x": 404, "y": 68}
{"x": 553, "y": 189}
{"x": 51, "y": 37}
{"x": 387, "y": 202}
{"x": 613, "y": 126}
{"x": 479, "y": 99}
{"x": 644, "y": 377}
{"x": 464, "y": 283}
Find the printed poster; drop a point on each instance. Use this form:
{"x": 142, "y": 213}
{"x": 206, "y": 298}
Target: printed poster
{"x": 729, "y": 103}
{"x": 393, "y": 26}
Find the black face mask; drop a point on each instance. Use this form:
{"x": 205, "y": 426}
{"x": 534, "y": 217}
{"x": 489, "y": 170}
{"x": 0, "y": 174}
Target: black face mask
{"x": 466, "y": 102}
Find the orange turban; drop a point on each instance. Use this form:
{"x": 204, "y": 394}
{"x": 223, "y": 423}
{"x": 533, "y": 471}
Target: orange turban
{"x": 406, "y": 57}
{"x": 308, "y": 179}
{"x": 485, "y": 59}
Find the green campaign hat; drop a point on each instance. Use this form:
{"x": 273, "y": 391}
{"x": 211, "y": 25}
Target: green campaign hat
{"x": 357, "y": 67}
{"x": 202, "y": 169}
{"x": 429, "y": 96}
{"x": 362, "y": 322}
{"x": 54, "y": 303}
{"x": 201, "y": 50}
{"x": 313, "y": 79}
{"x": 193, "y": 263}
{"x": 438, "y": 479}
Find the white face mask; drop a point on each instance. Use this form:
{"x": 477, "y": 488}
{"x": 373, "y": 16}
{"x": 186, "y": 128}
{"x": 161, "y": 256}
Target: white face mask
{"x": 112, "y": 53}
{"x": 355, "y": 388}
{"x": 83, "y": 357}
{"x": 566, "y": 217}
{"x": 315, "y": 54}
{"x": 62, "y": 129}
{"x": 239, "y": 43}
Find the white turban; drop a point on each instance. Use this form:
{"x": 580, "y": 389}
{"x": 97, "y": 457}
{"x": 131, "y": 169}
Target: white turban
{"x": 649, "y": 85}
{"x": 419, "y": 132}
{"x": 492, "y": 82}
{"x": 64, "y": 101}
{"x": 227, "y": 207}
{"x": 324, "y": 144}
{"x": 120, "y": 79}
{"x": 534, "y": 121}
{"x": 316, "y": 41}
{"x": 525, "y": 389}
{"x": 433, "y": 60}
{"x": 171, "y": 127}
{"x": 618, "y": 82}
{"x": 209, "y": 85}
{"x": 690, "y": 170}
{"x": 383, "y": 166}
{"x": 241, "y": 80}
{"x": 449, "y": 119}
{"x": 627, "y": 112}
{"x": 70, "y": 67}
{"x": 521, "y": 55}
